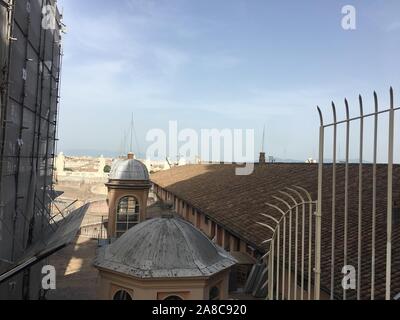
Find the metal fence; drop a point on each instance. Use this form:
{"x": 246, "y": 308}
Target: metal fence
{"x": 292, "y": 247}
{"x": 351, "y": 232}
{"x": 94, "y": 228}
{"x": 361, "y": 235}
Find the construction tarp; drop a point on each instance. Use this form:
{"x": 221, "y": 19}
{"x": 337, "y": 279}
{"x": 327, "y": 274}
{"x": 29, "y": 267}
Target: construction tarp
{"x": 57, "y": 236}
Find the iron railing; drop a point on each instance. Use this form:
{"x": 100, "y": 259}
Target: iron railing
{"x": 292, "y": 272}
{"x": 94, "y": 228}
{"x": 352, "y": 221}
{"x": 348, "y": 121}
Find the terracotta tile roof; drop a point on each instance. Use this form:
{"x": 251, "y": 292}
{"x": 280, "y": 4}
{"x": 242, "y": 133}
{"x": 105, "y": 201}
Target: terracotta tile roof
{"x": 235, "y": 203}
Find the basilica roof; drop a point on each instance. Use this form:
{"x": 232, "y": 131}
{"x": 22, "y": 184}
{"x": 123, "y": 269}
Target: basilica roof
{"x": 235, "y": 203}
{"x": 164, "y": 248}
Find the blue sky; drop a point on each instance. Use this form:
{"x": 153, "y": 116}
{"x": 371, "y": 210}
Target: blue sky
{"x": 220, "y": 64}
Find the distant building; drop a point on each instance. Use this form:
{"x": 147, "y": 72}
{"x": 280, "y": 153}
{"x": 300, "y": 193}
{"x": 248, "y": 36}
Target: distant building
{"x": 102, "y": 165}
{"x": 311, "y": 161}
{"x": 60, "y": 163}
{"x": 81, "y": 169}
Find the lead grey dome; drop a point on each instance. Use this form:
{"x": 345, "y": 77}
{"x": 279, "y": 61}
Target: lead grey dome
{"x": 129, "y": 169}
{"x": 164, "y": 248}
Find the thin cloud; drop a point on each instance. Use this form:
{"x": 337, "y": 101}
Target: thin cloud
{"x": 220, "y": 61}
{"x": 394, "y": 26}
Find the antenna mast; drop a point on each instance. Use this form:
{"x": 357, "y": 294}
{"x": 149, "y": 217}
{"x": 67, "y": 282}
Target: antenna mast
{"x": 131, "y": 149}
{"x": 263, "y": 141}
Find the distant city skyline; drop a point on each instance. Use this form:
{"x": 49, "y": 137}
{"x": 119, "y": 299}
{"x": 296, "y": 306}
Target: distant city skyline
{"x": 241, "y": 65}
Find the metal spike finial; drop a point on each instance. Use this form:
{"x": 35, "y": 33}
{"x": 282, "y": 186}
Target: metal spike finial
{"x": 305, "y": 191}
{"x": 266, "y": 255}
{"x": 376, "y": 102}
{"x": 275, "y": 207}
{"x": 270, "y": 218}
{"x": 266, "y": 241}
{"x": 289, "y": 196}
{"x": 346, "y": 102}
{"x": 361, "y": 105}
{"x": 334, "y": 112}
{"x": 297, "y": 193}
{"x": 321, "y": 117}
{"x": 391, "y": 98}
{"x": 266, "y": 226}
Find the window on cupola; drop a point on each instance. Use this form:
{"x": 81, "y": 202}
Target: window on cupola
{"x": 128, "y": 215}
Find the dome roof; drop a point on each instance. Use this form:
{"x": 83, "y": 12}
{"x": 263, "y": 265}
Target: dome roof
{"x": 129, "y": 169}
{"x": 164, "y": 248}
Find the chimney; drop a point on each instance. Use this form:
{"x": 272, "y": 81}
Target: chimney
{"x": 262, "y": 158}
{"x": 131, "y": 156}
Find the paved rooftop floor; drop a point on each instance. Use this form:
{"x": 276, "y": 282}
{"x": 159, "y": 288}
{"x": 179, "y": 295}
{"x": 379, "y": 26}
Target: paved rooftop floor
{"x": 76, "y": 277}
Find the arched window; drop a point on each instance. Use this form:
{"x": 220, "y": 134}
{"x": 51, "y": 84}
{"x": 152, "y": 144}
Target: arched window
{"x": 214, "y": 294}
{"x": 128, "y": 212}
{"x": 173, "y": 298}
{"x": 122, "y": 295}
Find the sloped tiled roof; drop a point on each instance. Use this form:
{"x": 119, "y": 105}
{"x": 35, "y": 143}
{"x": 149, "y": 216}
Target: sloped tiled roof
{"x": 235, "y": 202}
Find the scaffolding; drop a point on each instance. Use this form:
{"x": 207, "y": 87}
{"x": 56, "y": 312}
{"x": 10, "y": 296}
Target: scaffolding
{"x": 30, "y": 58}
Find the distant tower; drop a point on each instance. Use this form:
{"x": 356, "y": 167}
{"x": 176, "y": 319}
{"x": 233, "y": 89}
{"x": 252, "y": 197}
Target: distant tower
{"x": 102, "y": 164}
{"x": 128, "y": 191}
{"x": 60, "y": 163}
{"x": 262, "y": 153}
{"x": 262, "y": 158}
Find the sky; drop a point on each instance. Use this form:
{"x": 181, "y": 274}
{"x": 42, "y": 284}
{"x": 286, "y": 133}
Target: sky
{"x": 235, "y": 64}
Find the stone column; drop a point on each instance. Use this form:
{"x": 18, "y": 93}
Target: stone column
{"x": 60, "y": 163}
{"x": 102, "y": 164}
